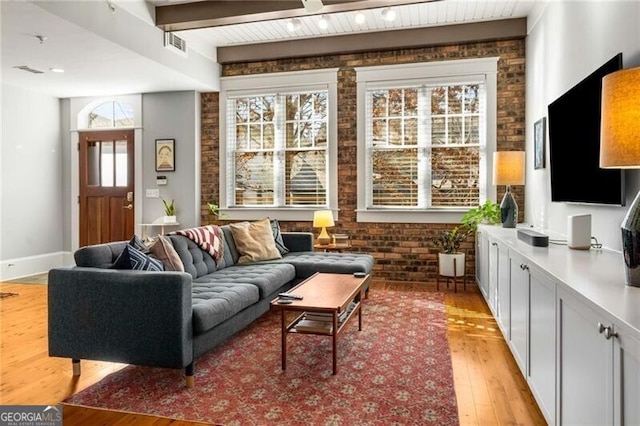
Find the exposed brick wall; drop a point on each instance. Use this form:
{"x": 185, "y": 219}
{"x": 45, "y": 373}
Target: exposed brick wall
{"x": 401, "y": 250}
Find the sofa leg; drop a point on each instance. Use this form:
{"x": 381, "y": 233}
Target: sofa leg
{"x": 188, "y": 375}
{"x": 76, "y": 366}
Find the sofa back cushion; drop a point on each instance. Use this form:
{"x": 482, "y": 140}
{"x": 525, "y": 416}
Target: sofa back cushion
{"x": 196, "y": 261}
{"x": 231, "y": 254}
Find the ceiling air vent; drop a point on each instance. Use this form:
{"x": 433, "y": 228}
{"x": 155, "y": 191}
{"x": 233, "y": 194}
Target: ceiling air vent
{"x": 28, "y": 69}
{"x": 175, "y": 43}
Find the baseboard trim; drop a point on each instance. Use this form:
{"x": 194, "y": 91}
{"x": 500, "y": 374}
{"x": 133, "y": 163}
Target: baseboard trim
{"x": 32, "y": 265}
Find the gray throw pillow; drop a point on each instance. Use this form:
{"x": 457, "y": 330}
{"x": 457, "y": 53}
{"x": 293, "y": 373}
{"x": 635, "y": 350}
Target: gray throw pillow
{"x": 277, "y": 237}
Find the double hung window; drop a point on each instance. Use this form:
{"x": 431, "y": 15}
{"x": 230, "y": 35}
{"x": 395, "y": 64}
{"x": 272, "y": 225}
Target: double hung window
{"x": 278, "y": 144}
{"x": 425, "y": 131}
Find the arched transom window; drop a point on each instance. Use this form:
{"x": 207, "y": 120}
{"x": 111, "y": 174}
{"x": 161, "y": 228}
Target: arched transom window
{"x": 111, "y": 114}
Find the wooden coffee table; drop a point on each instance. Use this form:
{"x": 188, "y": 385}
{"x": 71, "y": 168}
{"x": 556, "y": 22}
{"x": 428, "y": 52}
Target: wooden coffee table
{"x": 336, "y": 297}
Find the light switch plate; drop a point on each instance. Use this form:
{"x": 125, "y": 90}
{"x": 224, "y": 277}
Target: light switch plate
{"x": 153, "y": 193}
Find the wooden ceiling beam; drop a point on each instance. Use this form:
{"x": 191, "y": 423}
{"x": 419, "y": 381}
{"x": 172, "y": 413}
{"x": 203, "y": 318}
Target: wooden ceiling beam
{"x": 214, "y": 13}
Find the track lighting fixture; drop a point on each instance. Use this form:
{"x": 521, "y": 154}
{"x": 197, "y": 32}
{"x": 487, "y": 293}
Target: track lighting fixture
{"x": 323, "y": 23}
{"x": 388, "y": 14}
{"x": 293, "y": 25}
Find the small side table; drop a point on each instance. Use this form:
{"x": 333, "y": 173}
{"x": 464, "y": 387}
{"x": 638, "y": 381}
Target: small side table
{"x": 332, "y": 247}
{"x": 146, "y": 226}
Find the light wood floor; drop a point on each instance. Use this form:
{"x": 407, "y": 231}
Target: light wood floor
{"x": 489, "y": 387}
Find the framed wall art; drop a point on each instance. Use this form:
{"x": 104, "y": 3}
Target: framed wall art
{"x": 165, "y": 155}
{"x": 539, "y": 141}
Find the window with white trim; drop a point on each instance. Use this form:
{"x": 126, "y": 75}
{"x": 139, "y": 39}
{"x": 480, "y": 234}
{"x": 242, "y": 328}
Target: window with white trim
{"x": 424, "y": 135}
{"x": 278, "y": 145}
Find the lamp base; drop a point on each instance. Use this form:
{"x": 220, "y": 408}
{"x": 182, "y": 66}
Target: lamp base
{"x": 508, "y": 210}
{"x": 631, "y": 243}
{"x": 324, "y": 239}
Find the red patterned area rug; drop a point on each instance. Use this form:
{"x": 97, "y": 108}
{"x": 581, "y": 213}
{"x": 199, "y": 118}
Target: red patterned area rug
{"x": 397, "y": 370}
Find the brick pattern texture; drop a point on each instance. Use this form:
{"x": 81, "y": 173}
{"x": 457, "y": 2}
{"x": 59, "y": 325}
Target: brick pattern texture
{"x": 402, "y": 251}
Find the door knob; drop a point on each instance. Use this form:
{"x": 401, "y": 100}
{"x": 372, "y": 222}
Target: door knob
{"x": 128, "y": 206}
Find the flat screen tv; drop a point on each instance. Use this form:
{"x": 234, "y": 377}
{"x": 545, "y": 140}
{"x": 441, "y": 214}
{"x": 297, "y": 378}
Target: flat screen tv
{"x": 574, "y": 144}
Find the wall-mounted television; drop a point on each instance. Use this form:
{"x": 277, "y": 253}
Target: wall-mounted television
{"x": 574, "y": 144}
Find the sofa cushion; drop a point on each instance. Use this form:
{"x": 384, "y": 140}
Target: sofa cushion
{"x": 196, "y": 261}
{"x": 231, "y": 255}
{"x": 132, "y": 258}
{"x": 216, "y": 302}
{"x": 162, "y": 248}
{"x": 254, "y": 241}
{"x": 309, "y": 262}
{"x": 267, "y": 277}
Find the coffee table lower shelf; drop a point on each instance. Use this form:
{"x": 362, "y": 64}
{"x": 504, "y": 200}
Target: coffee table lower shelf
{"x": 335, "y": 325}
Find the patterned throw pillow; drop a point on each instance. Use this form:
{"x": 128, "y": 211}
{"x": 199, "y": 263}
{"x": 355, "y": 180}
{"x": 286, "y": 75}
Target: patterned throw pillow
{"x": 277, "y": 237}
{"x": 208, "y": 238}
{"x": 132, "y": 258}
{"x": 163, "y": 250}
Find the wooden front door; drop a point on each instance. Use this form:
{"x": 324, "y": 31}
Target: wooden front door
{"x": 106, "y": 186}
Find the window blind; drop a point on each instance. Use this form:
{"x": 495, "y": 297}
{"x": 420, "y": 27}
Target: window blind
{"x": 424, "y": 144}
{"x": 277, "y": 149}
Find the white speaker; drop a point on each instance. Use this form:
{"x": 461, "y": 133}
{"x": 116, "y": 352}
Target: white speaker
{"x": 579, "y": 231}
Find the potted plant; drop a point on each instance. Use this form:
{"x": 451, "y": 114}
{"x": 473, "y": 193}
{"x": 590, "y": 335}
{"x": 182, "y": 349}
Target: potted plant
{"x": 451, "y": 262}
{"x": 169, "y": 211}
{"x": 489, "y": 213}
{"x": 214, "y": 210}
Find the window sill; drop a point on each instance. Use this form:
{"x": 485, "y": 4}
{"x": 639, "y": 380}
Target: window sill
{"x": 281, "y": 214}
{"x": 410, "y": 216}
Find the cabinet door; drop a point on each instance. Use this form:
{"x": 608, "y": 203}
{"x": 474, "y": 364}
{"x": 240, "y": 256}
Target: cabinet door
{"x": 585, "y": 367}
{"x": 492, "y": 289}
{"x": 626, "y": 363}
{"x": 542, "y": 341}
{"x": 519, "y": 309}
{"x": 504, "y": 292}
{"x": 482, "y": 263}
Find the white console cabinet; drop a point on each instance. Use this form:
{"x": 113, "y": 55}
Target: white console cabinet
{"x": 482, "y": 263}
{"x": 571, "y": 323}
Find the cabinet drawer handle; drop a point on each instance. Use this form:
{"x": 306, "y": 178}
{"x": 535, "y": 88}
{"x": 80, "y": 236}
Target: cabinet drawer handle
{"x": 608, "y": 334}
{"x": 494, "y": 244}
{"x": 524, "y": 267}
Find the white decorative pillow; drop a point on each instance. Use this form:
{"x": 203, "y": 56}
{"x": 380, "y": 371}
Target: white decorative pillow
{"x": 254, "y": 241}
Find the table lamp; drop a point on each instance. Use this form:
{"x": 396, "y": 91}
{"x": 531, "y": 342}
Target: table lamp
{"x": 323, "y": 219}
{"x": 620, "y": 149}
{"x": 508, "y": 169}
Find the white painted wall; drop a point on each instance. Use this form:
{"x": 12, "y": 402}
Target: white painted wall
{"x": 172, "y": 115}
{"x": 567, "y": 41}
{"x": 30, "y": 189}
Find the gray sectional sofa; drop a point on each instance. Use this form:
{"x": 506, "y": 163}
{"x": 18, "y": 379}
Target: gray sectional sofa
{"x": 168, "y": 319}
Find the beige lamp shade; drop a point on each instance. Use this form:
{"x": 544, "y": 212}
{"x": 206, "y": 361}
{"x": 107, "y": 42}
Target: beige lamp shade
{"x": 508, "y": 168}
{"x": 322, "y": 219}
{"x": 620, "y": 125}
